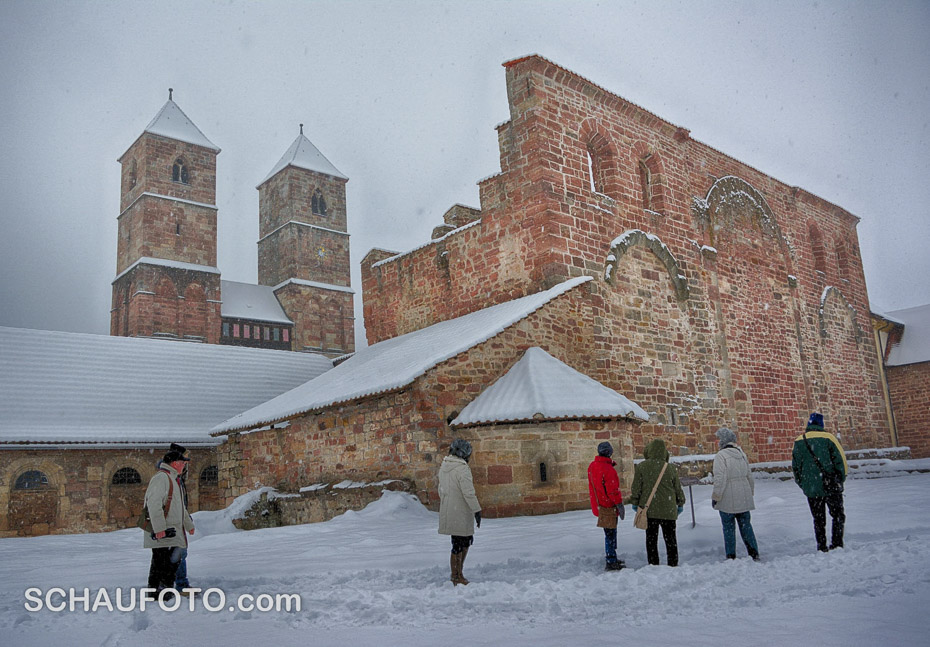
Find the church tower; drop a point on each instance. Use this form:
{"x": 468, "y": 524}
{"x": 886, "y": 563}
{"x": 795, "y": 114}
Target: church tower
{"x": 167, "y": 283}
{"x": 303, "y": 248}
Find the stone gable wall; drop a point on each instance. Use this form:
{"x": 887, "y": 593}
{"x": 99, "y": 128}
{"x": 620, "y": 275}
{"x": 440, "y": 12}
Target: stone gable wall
{"x": 728, "y": 296}
{"x": 910, "y": 397}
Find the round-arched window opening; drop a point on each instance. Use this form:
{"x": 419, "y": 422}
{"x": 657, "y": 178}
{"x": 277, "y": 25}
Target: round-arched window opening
{"x": 31, "y": 480}
{"x": 179, "y": 172}
{"x": 318, "y": 203}
{"x": 210, "y": 475}
{"x": 126, "y": 476}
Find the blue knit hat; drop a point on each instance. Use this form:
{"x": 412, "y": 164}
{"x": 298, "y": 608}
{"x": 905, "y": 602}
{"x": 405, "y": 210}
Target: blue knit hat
{"x": 815, "y": 422}
{"x": 605, "y": 449}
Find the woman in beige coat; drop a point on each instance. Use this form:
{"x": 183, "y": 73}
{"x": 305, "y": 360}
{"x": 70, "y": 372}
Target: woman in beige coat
{"x": 459, "y": 510}
{"x": 171, "y": 522}
{"x": 733, "y": 492}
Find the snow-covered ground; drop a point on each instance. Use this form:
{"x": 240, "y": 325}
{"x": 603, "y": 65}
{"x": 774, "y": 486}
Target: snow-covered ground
{"x": 379, "y": 577}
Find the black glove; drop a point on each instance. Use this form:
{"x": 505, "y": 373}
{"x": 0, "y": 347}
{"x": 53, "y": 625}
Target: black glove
{"x": 169, "y": 533}
{"x": 713, "y": 504}
{"x": 621, "y": 512}
{"x": 478, "y": 518}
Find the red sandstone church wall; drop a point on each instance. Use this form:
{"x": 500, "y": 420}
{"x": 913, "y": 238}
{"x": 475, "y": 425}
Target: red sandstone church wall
{"x": 910, "y": 396}
{"x": 761, "y": 341}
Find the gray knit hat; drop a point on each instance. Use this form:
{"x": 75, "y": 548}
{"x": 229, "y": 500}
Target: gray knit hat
{"x": 725, "y": 436}
{"x": 605, "y": 449}
{"x": 460, "y": 448}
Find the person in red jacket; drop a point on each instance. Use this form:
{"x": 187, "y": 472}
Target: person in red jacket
{"x": 606, "y": 501}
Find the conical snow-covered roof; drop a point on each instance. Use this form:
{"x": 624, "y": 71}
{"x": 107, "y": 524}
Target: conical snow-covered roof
{"x": 171, "y": 122}
{"x": 303, "y": 154}
{"x": 541, "y": 386}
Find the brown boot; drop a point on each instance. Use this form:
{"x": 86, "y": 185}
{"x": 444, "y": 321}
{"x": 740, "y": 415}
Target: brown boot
{"x": 460, "y": 563}
{"x": 453, "y": 566}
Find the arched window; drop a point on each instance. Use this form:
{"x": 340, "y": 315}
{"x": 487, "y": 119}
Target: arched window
{"x": 210, "y": 475}
{"x": 179, "y": 172}
{"x": 645, "y": 179}
{"x": 318, "y": 203}
{"x": 31, "y": 480}
{"x": 126, "y": 476}
{"x": 842, "y": 258}
{"x": 595, "y": 172}
{"x": 817, "y": 247}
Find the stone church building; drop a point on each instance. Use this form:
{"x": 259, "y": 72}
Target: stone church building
{"x": 620, "y": 281}
{"x": 167, "y": 283}
{"x": 613, "y": 244}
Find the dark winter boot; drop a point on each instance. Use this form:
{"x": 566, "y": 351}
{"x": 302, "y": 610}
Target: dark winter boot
{"x": 615, "y": 566}
{"x": 453, "y": 566}
{"x": 731, "y": 556}
{"x": 755, "y": 555}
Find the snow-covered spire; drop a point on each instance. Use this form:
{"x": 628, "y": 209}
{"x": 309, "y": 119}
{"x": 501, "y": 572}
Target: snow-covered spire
{"x": 303, "y": 154}
{"x": 171, "y": 122}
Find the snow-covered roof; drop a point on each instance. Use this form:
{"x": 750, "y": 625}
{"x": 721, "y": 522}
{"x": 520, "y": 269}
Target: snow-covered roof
{"x": 394, "y": 363}
{"x": 248, "y": 301}
{"x": 60, "y": 387}
{"x": 171, "y": 122}
{"x": 163, "y": 262}
{"x": 303, "y": 154}
{"x": 915, "y": 342}
{"x": 541, "y": 386}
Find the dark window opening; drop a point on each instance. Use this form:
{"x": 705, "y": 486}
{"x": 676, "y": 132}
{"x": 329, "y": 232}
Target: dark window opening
{"x": 179, "y": 172}
{"x": 210, "y": 475}
{"x": 126, "y": 476}
{"x": 543, "y": 473}
{"x": 318, "y": 203}
{"x": 31, "y": 480}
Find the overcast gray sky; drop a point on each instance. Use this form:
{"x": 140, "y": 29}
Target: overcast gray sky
{"x": 403, "y": 98}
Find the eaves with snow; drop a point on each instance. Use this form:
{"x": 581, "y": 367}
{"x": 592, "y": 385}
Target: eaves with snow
{"x": 250, "y": 301}
{"x": 74, "y": 389}
{"x": 394, "y": 363}
{"x": 541, "y": 387}
{"x": 914, "y": 347}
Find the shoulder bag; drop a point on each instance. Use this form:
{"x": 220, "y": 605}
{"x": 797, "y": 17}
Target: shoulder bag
{"x": 640, "y": 520}
{"x": 144, "y": 521}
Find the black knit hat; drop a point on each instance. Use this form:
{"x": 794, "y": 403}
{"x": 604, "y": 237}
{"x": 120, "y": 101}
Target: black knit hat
{"x": 175, "y": 453}
{"x": 605, "y": 449}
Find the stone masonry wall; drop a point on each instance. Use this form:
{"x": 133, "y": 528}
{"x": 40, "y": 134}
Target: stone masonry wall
{"x": 910, "y": 396}
{"x": 509, "y": 463}
{"x": 80, "y": 496}
{"x": 749, "y": 311}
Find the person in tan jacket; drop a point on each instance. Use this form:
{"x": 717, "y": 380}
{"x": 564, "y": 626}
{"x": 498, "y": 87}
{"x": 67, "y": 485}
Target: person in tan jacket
{"x": 459, "y": 510}
{"x": 170, "y": 519}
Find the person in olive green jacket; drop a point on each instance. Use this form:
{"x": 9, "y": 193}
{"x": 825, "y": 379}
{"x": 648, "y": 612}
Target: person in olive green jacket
{"x": 820, "y": 469}
{"x": 666, "y": 505}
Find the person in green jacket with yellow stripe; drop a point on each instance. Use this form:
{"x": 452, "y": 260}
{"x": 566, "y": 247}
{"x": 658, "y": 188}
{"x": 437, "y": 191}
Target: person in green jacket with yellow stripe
{"x": 820, "y": 469}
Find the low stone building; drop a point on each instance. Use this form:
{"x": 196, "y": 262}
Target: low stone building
{"x": 85, "y": 418}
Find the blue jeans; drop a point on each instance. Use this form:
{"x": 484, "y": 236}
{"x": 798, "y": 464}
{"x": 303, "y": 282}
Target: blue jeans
{"x": 180, "y": 576}
{"x": 745, "y": 530}
{"x": 610, "y": 544}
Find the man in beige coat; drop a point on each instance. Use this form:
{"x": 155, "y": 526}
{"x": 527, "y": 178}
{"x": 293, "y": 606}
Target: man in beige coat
{"x": 459, "y": 509}
{"x": 170, "y": 519}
